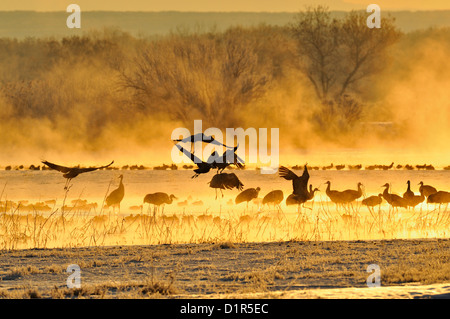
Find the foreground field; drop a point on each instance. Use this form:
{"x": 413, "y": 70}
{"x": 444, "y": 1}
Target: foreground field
{"x": 293, "y": 269}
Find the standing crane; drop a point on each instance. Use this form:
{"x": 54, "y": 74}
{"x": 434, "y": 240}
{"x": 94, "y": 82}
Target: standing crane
{"x": 225, "y": 181}
{"x": 158, "y": 199}
{"x": 274, "y": 197}
{"x": 247, "y": 195}
{"x": 116, "y": 196}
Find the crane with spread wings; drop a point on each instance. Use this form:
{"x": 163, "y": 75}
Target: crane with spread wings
{"x": 72, "y": 172}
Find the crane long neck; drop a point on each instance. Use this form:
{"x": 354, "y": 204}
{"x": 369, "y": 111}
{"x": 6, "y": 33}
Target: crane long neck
{"x": 386, "y": 191}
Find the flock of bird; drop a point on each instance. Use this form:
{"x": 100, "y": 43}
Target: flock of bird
{"x": 302, "y": 192}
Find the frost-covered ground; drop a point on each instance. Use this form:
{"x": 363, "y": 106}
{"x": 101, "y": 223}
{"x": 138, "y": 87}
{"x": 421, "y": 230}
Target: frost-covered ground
{"x": 293, "y": 270}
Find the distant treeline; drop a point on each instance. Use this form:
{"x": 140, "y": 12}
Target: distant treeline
{"x": 23, "y": 24}
{"x": 108, "y": 88}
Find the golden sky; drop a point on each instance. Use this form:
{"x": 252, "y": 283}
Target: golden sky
{"x": 220, "y": 5}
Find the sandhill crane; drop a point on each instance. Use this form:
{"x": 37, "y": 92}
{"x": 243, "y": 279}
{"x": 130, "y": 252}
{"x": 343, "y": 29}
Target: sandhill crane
{"x": 409, "y": 193}
{"x": 225, "y": 181}
{"x": 426, "y": 190}
{"x": 274, "y": 197}
{"x": 214, "y": 160}
{"x": 440, "y": 197}
{"x": 72, "y": 172}
{"x": 202, "y": 167}
{"x": 299, "y": 183}
{"x": 158, "y": 199}
{"x": 224, "y": 161}
{"x": 393, "y": 199}
{"x": 200, "y": 137}
{"x": 291, "y": 200}
{"x": 295, "y": 199}
{"x": 372, "y": 201}
{"x": 350, "y": 195}
{"x": 412, "y": 200}
{"x": 343, "y": 197}
{"x": 247, "y": 195}
{"x": 386, "y": 167}
{"x": 333, "y": 194}
{"x": 116, "y": 196}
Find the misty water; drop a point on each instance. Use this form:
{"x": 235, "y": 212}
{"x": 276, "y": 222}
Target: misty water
{"x": 197, "y": 217}
{"x": 40, "y": 186}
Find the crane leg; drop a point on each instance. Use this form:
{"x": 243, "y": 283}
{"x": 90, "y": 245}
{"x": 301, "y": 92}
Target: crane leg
{"x": 66, "y": 186}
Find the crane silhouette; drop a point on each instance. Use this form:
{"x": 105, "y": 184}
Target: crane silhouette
{"x": 441, "y": 197}
{"x": 116, "y": 196}
{"x": 409, "y": 193}
{"x": 412, "y": 200}
{"x": 214, "y": 161}
{"x": 343, "y": 197}
{"x": 72, "y": 172}
{"x": 223, "y": 162}
{"x": 350, "y": 195}
{"x": 333, "y": 195}
{"x": 296, "y": 199}
{"x": 200, "y": 137}
{"x": 372, "y": 201}
{"x": 225, "y": 181}
{"x": 299, "y": 183}
{"x": 426, "y": 190}
{"x": 202, "y": 167}
{"x": 247, "y": 195}
{"x": 393, "y": 199}
{"x": 274, "y": 197}
{"x": 157, "y": 199}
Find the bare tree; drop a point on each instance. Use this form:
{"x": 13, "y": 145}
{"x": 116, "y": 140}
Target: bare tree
{"x": 362, "y": 49}
{"x": 336, "y": 55}
{"x": 317, "y": 36}
{"x": 208, "y": 76}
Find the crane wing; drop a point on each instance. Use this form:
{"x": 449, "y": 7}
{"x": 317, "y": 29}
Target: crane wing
{"x": 216, "y": 142}
{"x": 286, "y": 173}
{"x": 193, "y": 158}
{"x": 62, "y": 169}
{"x": 235, "y": 181}
{"x": 299, "y": 183}
{"x": 90, "y": 169}
{"x": 238, "y": 161}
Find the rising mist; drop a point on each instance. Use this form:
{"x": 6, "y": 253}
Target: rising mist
{"x": 110, "y": 95}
